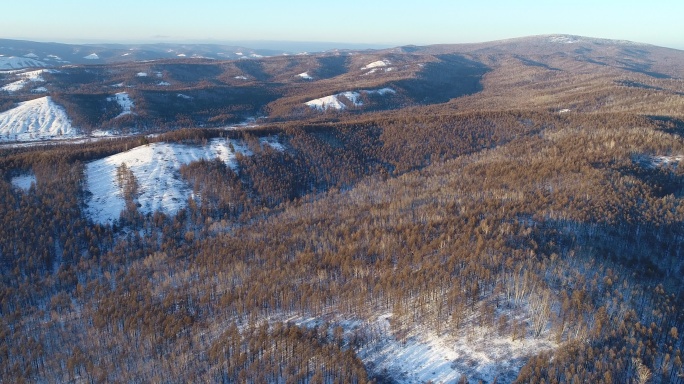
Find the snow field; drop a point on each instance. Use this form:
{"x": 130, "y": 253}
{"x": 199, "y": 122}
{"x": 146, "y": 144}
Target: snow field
{"x": 336, "y": 101}
{"x": 305, "y": 76}
{"x": 36, "y": 119}
{"x": 23, "y": 182}
{"x": 376, "y": 64}
{"x": 124, "y": 101}
{"x": 26, "y": 78}
{"x": 12, "y": 62}
{"x": 156, "y": 170}
{"x": 92, "y": 56}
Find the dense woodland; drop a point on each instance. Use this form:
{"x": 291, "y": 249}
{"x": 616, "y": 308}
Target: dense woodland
{"x": 476, "y": 214}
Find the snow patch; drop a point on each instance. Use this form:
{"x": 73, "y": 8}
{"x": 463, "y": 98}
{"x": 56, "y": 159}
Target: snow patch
{"x": 39, "y": 90}
{"x": 141, "y": 74}
{"x": 336, "y": 101}
{"x": 36, "y": 119}
{"x": 31, "y": 56}
{"x": 564, "y": 110}
{"x": 156, "y": 170}
{"x": 186, "y": 97}
{"x": 305, "y": 76}
{"x": 92, "y": 56}
{"x": 124, "y": 101}
{"x": 376, "y": 64}
{"x": 241, "y": 77}
{"x": 23, "y": 182}
{"x": 181, "y": 55}
{"x": 563, "y": 40}
{"x": 26, "y": 77}
{"x": 164, "y": 83}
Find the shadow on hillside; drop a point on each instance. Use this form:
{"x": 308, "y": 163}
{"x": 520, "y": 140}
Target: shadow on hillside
{"x": 331, "y": 66}
{"x": 453, "y": 76}
{"x": 642, "y": 68}
{"x": 532, "y": 63}
{"x": 253, "y": 68}
{"x": 669, "y": 124}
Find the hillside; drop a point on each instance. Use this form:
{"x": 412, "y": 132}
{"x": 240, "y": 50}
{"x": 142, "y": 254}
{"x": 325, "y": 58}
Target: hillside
{"x": 507, "y": 212}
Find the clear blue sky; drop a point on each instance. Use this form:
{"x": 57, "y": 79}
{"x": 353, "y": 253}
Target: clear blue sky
{"x": 370, "y": 21}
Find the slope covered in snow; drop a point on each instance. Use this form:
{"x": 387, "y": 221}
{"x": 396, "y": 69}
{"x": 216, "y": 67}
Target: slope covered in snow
{"x": 25, "y": 78}
{"x": 36, "y": 119}
{"x": 124, "y": 101}
{"x": 305, "y": 76}
{"x": 156, "y": 170}
{"x": 337, "y": 101}
{"x": 13, "y": 62}
{"x": 377, "y": 64}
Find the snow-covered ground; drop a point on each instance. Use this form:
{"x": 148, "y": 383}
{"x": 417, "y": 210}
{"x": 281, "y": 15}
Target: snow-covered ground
{"x": 124, "y": 101}
{"x": 164, "y": 83}
{"x": 337, "y": 101}
{"x": 156, "y": 170}
{"x": 92, "y": 56}
{"x": 183, "y": 96}
{"x": 26, "y": 78}
{"x": 424, "y": 356}
{"x": 24, "y": 181}
{"x": 241, "y": 77}
{"x": 141, "y": 74}
{"x": 305, "y": 76}
{"x": 36, "y": 119}
{"x": 13, "y": 62}
{"x": 376, "y": 64}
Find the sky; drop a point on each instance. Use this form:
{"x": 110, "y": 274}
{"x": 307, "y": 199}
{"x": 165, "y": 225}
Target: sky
{"x": 389, "y": 23}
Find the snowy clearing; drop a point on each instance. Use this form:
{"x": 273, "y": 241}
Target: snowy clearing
{"x": 164, "y": 83}
{"x": 424, "y": 356}
{"x": 376, "y": 64}
{"x": 241, "y": 77}
{"x": 26, "y": 78}
{"x": 92, "y": 56}
{"x": 36, "y": 119}
{"x": 337, "y": 101}
{"x": 564, "y": 110}
{"x": 141, "y": 74}
{"x": 23, "y": 182}
{"x": 305, "y": 76}
{"x": 156, "y": 170}
{"x": 19, "y": 63}
{"x": 124, "y": 101}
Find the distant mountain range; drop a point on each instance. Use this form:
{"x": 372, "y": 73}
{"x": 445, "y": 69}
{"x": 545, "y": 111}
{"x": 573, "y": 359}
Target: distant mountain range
{"x": 156, "y": 87}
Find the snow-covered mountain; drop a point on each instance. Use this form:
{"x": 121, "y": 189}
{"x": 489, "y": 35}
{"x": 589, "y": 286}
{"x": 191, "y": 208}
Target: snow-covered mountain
{"x": 12, "y": 62}
{"x": 36, "y": 119}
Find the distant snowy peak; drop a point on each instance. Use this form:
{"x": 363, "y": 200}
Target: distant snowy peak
{"x": 8, "y": 63}
{"x": 377, "y": 64}
{"x": 337, "y": 101}
{"x": 35, "y": 119}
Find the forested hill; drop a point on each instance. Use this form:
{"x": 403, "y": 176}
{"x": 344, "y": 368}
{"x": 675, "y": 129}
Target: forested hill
{"x": 527, "y": 230}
